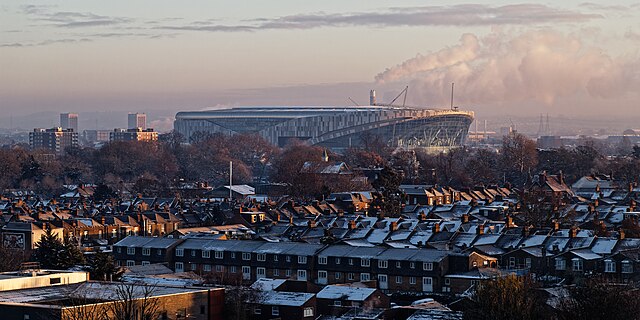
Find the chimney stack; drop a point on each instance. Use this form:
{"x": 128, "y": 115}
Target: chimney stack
{"x": 621, "y": 234}
{"x": 465, "y": 218}
{"x": 372, "y": 97}
{"x": 393, "y": 226}
{"x": 573, "y": 232}
{"x": 436, "y": 228}
{"x": 352, "y": 224}
{"x": 311, "y": 223}
{"x": 480, "y": 229}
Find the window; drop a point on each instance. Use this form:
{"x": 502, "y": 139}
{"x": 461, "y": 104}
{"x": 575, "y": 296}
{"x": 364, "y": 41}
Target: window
{"x": 287, "y": 273}
{"x": 275, "y": 311}
{"x": 527, "y": 262}
{"x": 119, "y": 249}
{"x": 427, "y": 266}
{"x": 398, "y": 279}
{"x": 206, "y": 267}
{"x": 308, "y": 312}
{"x": 261, "y": 257}
{"x": 412, "y": 265}
{"x": 206, "y": 254}
{"x": 246, "y": 256}
{"x": 350, "y": 262}
{"x": 194, "y": 266}
{"x": 55, "y": 280}
{"x": 447, "y": 281}
{"x": 179, "y": 252}
{"x": 179, "y": 267}
{"x": 383, "y": 264}
{"x": 609, "y": 266}
{"x": 275, "y": 257}
{"x": 257, "y": 310}
{"x": 398, "y": 265}
{"x": 365, "y": 277}
{"x": 218, "y": 254}
{"x": 577, "y": 264}
{"x": 276, "y": 272}
{"x": 322, "y": 260}
{"x": 261, "y": 273}
{"x": 412, "y": 280}
{"x": 365, "y": 262}
{"x": 246, "y": 273}
{"x": 145, "y": 263}
{"x": 512, "y": 262}
{"x": 233, "y": 269}
{"x": 159, "y": 252}
{"x": 131, "y": 263}
{"x": 233, "y": 255}
{"x": 338, "y": 275}
{"x": 146, "y": 251}
{"x": 302, "y": 274}
{"x": 337, "y": 260}
{"x": 627, "y": 267}
{"x": 131, "y": 251}
{"x": 219, "y": 268}
{"x": 337, "y": 303}
{"x": 322, "y": 274}
{"x": 288, "y": 259}
{"x": 302, "y": 259}
{"x": 560, "y": 264}
{"x": 350, "y": 276}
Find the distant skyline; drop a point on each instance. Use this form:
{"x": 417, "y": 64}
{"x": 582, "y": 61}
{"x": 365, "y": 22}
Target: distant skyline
{"x": 81, "y": 56}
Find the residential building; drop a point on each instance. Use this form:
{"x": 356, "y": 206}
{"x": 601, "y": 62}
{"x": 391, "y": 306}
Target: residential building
{"x": 55, "y": 139}
{"x": 69, "y": 121}
{"x": 137, "y": 120}
{"x": 136, "y": 134}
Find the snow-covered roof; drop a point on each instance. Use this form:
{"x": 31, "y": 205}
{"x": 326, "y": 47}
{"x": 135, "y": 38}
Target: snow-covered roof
{"x": 345, "y": 293}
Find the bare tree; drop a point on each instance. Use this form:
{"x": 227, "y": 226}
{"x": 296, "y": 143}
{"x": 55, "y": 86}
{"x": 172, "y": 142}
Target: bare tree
{"x": 134, "y": 302}
{"x": 82, "y": 306}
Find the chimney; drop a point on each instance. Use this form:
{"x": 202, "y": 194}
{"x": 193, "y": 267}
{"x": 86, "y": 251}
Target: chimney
{"x": 630, "y": 187}
{"x": 632, "y": 205}
{"x": 103, "y": 221}
{"x": 525, "y": 231}
{"x": 573, "y": 232}
{"x": 422, "y": 216}
{"x": 311, "y": 223}
{"x": 480, "y": 229}
{"x": 556, "y": 226}
{"x": 621, "y": 234}
{"x": 465, "y": 218}
{"x": 509, "y": 221}
{"x": 436, "y": 228}
{"x": 561, "y": 177}
{"x": 542, "y": 177}
{"x": 393, "y": 226}
{"x": 372, "y": 97}
{"x": 352, "y": 225}
{"x": 277, "y": 217}
{"x": 291, "y": 220}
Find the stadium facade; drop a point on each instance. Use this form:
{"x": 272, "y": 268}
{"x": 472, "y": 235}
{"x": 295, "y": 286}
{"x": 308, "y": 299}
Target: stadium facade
{"x": 336, "y": 128}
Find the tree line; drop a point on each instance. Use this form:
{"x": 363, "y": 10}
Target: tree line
{"x": 153, "y": 168}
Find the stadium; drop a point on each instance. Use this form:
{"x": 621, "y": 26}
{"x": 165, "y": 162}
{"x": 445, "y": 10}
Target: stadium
{"x": 337, "y": 128}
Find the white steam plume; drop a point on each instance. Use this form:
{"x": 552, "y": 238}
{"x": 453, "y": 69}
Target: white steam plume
{"x": 533, "y": 66}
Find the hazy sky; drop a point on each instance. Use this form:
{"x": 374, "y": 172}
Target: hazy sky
{"x": 558, "y": 56}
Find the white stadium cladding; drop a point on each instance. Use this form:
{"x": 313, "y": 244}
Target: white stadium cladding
{"x": 335, "y": 127}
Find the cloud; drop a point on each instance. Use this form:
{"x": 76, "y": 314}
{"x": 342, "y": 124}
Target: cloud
{"x": 455, "y": 15}
{"x": 540, "y": 66}
{"x": 68, "y": 19}
{"x": 42, "y": 43}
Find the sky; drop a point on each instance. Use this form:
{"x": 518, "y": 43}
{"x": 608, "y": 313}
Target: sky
{"x": 560, "y": 57}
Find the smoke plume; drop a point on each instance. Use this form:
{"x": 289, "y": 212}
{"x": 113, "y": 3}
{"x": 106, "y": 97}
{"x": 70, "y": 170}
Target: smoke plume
{"x": 537, "y": 66}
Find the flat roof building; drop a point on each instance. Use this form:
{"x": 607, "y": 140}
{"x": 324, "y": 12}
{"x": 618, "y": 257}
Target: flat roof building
{"x": 54, "y": 139}
{"x": 137, "y": 120}
{"x": 69, "y": 121}
{"x": 335, "y": 127}
{"x": 137, "y": 134}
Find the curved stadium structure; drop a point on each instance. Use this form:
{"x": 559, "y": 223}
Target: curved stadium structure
{"x": 336, "y": 128}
